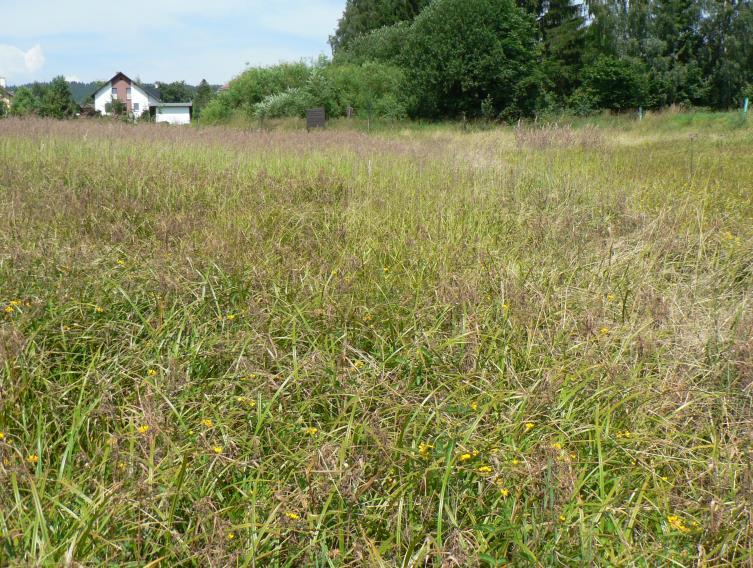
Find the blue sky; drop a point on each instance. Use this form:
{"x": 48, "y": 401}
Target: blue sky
{"x": 165, "y": 40}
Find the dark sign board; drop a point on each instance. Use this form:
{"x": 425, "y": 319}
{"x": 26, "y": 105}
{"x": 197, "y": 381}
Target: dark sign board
{"x": 315, "y": 118}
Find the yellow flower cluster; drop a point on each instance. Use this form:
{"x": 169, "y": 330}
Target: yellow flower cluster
{"x": 485, "y": 469}
{"x": 250, "y": 402}
{"x": 311, "y": 431}
{"x": 677, "y": 523}
{"x": 424, "y": 449}
{"x": 468, "y": 456}
{"x": 144, "y": 429}
{"x": 151, "y": 373}
{"x": 530, "y": 426}
{"x": 292, "y": 516}
{"x": 207, "y": 423}
{"x": 625, "y": 434}
{"x": 33, "y": 459}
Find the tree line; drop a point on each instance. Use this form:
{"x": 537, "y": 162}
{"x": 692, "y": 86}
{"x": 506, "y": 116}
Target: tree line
{"x": 62, "y": 99}
{"x": 512, "y": 58}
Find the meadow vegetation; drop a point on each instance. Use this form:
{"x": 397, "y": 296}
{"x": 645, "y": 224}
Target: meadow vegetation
{"x": 514, "y": 346}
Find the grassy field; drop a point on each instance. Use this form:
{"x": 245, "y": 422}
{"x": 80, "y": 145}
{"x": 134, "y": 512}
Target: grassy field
{"x": 511, "y": 347}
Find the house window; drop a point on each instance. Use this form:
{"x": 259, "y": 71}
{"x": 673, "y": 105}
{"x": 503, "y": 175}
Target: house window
{"x": 128, "y": 93}
{"x": 114, "y": 93}
{"x": 135, "y": 107}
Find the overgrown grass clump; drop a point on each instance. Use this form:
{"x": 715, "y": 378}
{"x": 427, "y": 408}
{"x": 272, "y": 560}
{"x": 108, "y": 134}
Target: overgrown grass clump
{"x": 526, "y": 347}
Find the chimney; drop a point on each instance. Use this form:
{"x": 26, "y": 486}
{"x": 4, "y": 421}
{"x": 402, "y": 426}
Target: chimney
{"x": 2, "y": 82}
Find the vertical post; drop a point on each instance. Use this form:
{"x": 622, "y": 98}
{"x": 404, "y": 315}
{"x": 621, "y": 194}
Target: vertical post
{"x": 745, "y": 106}
{"x": 640, "y": 113}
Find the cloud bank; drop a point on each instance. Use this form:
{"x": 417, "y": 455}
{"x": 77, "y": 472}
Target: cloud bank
{"x": 15, "y": 61}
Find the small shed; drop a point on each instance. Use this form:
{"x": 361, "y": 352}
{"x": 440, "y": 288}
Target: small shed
{"x": 174, "y": 113}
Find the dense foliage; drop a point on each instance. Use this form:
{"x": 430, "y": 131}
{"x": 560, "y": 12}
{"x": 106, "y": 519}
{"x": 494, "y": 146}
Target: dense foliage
{"x": 52, "y": 100}
{"x": 500, "y": 59}
{"x": 462, "y": 53}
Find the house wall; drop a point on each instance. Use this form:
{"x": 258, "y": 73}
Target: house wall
{"x": 174, "y": 115}
{"x": 121, "y": 85}
{"x": 138, "y": 96}
{"x": 102, "y": 98}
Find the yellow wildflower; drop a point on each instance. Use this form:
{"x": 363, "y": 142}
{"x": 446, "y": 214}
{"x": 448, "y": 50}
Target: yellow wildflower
{"x": 217, "y": 450}
{"x": 8, "y": 309}
{"x": 152, "y": 372}
{"x": 604, "y": 331}
{"x": 33, "y": 459}
{"x": 311, "y": 431}
{"x": 15, "y": 302}
{"x": 230, "y": 536}
{"x": 2, "y": 435}
{"x": 292, "y": 516}
{"x": 368, "y": 318}
{"x": 506, "y": 307}
{"x": 99, "y": 309}
{"x": 230, "y": 317}
{"x": 465, "y": 457}
{"x": 207, "y": 422}
{"x": 121, "y": 262}
{"x": 474, "y": 406}
{"x": 144, "y": 429}
{"x": 677, "y": 523}
{"x": 611, "y": 297}
{"x": 515, "y": 461}
{"x": 245, "y": 400}
{"x": 562, "y": 518}
{"x": 485, "y": 469}
{"x": 504, "y": 492}
{"x": 556, "y": 446}
{"x": 359, "y": 364}
{"x": 424, "y": 449}
{"x": 530, "y": 426}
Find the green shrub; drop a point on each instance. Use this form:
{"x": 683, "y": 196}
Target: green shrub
{"x": 613, "y": 83}
{"x": 460, "y": 52}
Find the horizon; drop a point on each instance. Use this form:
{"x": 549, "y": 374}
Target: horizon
{"x": 187, "y": 41}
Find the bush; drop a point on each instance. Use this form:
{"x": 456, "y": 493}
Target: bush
{"x": 253, "y": 85}
{"x": 614, "y": 84}
{"x": 24, "y": 103}
{"x": 218, "y": 110}
{"x": 385, "y": 45}
{"x": 370, "y": 87}
{"x": 460, "y": 52}
{"x": 291, "y": 103}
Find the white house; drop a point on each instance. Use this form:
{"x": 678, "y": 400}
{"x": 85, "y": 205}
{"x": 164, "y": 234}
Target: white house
{"x": 139, "y": 99}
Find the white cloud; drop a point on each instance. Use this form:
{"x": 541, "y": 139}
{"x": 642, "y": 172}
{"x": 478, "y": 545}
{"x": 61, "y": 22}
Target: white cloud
{"x": 15, "y": 61}
{"x": 73, "y": 78}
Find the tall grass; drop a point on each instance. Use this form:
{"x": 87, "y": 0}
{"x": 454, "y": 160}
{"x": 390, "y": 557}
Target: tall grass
{"x": 419, "y": 348}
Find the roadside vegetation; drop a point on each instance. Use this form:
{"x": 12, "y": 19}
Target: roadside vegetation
{"x": 522, "y": 346}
